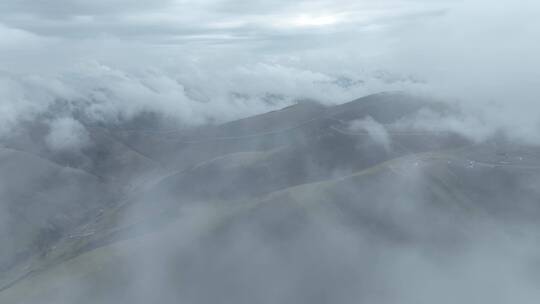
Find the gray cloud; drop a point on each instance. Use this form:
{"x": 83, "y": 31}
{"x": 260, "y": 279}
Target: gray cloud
{"x": 70, "y": 8}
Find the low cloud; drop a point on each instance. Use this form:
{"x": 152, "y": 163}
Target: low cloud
{"x": 192, "y": 96}
{"x": 76, "y": 63}
{"x": 66, "y": 134}
{"x": 376, "y": 131}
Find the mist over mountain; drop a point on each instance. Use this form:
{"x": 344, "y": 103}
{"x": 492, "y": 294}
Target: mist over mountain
{"x": 313, "y": 203}
{"x": 227, "y": 151}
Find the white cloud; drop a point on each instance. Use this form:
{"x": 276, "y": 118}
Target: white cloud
{"x": 67, "y": 134}
{"x": 376, "y": 131}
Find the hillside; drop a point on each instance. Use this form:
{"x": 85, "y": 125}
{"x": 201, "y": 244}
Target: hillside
{"x": 298, "y": 205}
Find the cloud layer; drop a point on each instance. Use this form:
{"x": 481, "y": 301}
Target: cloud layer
{"x": 218, "y": 60}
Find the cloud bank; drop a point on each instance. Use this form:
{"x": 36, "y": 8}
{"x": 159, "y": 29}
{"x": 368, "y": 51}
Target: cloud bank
{"x": 216, "y": 60}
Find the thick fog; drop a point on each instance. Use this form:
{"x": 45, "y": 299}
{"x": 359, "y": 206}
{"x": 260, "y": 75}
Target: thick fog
{"x": 77, "y": 76}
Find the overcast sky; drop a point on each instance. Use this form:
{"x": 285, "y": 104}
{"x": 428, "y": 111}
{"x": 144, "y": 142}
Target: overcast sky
{"x": 334, "y": 36}
{"x": 186, "y": 51}
{"x": 65, "y": 31}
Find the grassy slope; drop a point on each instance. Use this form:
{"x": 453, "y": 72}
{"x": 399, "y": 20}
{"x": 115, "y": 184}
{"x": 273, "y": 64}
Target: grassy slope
{"x": 337, "y": 197}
